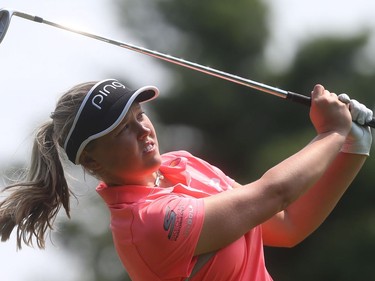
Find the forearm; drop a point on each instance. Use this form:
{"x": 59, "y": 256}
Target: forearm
{"x": 229, "y": 215}
{"x": 299, "y": 172}
{"x": 307, "y": 213}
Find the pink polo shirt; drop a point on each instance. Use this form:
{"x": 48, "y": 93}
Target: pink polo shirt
{"x": 155, "y": 230}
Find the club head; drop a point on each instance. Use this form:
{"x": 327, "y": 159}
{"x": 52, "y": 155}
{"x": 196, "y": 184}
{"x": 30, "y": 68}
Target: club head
{"x": 5, "y": 16}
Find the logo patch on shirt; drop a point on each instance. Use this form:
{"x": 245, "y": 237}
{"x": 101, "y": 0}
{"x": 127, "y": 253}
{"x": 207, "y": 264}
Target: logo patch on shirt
{"x": 170, "y": 222}
{"x": 174, "y": 221}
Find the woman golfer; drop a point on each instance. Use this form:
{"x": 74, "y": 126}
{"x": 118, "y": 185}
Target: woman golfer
{"x": 175, "y": 216}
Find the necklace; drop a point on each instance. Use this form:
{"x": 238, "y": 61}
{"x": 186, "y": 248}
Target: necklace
{"x": 159, "y": 177}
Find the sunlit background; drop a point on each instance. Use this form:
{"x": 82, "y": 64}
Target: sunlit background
{"x": 39, "y": 62}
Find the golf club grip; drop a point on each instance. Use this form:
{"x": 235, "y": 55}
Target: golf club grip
{"x": 371, "y": 123}
{"x": 305, "y": 100}
{"x": 298, "y": 98}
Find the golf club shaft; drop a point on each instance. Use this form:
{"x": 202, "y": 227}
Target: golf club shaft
{"x": 174, "y": 60}
{"x": 302, "y": 99}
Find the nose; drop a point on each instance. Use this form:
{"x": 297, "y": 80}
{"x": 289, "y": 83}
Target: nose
{"x": 143, "y": 130}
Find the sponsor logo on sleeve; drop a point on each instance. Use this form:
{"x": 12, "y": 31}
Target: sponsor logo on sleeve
{"x": 174, "y": 221}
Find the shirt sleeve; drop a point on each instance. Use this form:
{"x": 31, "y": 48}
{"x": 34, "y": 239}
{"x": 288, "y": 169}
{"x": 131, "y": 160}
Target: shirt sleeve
{"x": 169, "y": 231}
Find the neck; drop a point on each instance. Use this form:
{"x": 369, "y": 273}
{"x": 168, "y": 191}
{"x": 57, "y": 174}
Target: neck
{"x": 156, "y": 179}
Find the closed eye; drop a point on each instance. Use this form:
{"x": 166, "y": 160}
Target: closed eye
{"x": 125, "y": 124}
{"x": 141, "y": 116}
{"x": 121, "y": 128}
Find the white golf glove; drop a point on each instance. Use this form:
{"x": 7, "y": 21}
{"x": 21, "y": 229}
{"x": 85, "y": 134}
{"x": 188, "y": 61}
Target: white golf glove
{"x": 359, "y": 139}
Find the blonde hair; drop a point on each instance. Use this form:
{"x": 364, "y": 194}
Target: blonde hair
{"x": 34, "y": 202}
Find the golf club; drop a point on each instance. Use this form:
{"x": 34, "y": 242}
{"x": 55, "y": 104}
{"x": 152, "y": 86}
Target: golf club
{"x": 6, "y": 15}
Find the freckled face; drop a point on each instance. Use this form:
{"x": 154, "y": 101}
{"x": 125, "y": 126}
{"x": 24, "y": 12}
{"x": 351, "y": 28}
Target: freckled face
{"x": 130, "y": 153}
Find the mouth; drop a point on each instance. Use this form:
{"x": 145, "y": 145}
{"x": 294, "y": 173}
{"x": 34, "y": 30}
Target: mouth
{"x": 149, "y": 147}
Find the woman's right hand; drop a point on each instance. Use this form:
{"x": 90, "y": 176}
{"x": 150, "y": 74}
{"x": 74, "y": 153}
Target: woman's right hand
{"x": 328, "y": 113}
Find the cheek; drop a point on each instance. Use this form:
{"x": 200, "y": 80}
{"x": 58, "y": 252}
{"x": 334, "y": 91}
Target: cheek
{"x": 118, "y": 153}
{"x": 109, "y": 153}
{"x": 114, "y": 161}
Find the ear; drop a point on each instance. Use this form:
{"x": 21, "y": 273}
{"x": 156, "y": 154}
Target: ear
{"x": 87, "y": 161}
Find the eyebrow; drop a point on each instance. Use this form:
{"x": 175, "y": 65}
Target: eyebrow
{"x": 134, "y": 106}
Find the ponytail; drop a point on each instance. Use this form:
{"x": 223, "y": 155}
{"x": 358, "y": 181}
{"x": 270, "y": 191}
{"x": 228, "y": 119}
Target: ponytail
{"x": 34, "y": 203}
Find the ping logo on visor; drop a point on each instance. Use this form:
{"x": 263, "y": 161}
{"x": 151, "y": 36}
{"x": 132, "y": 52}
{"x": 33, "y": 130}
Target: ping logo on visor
{"x": 103, "y": 108}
